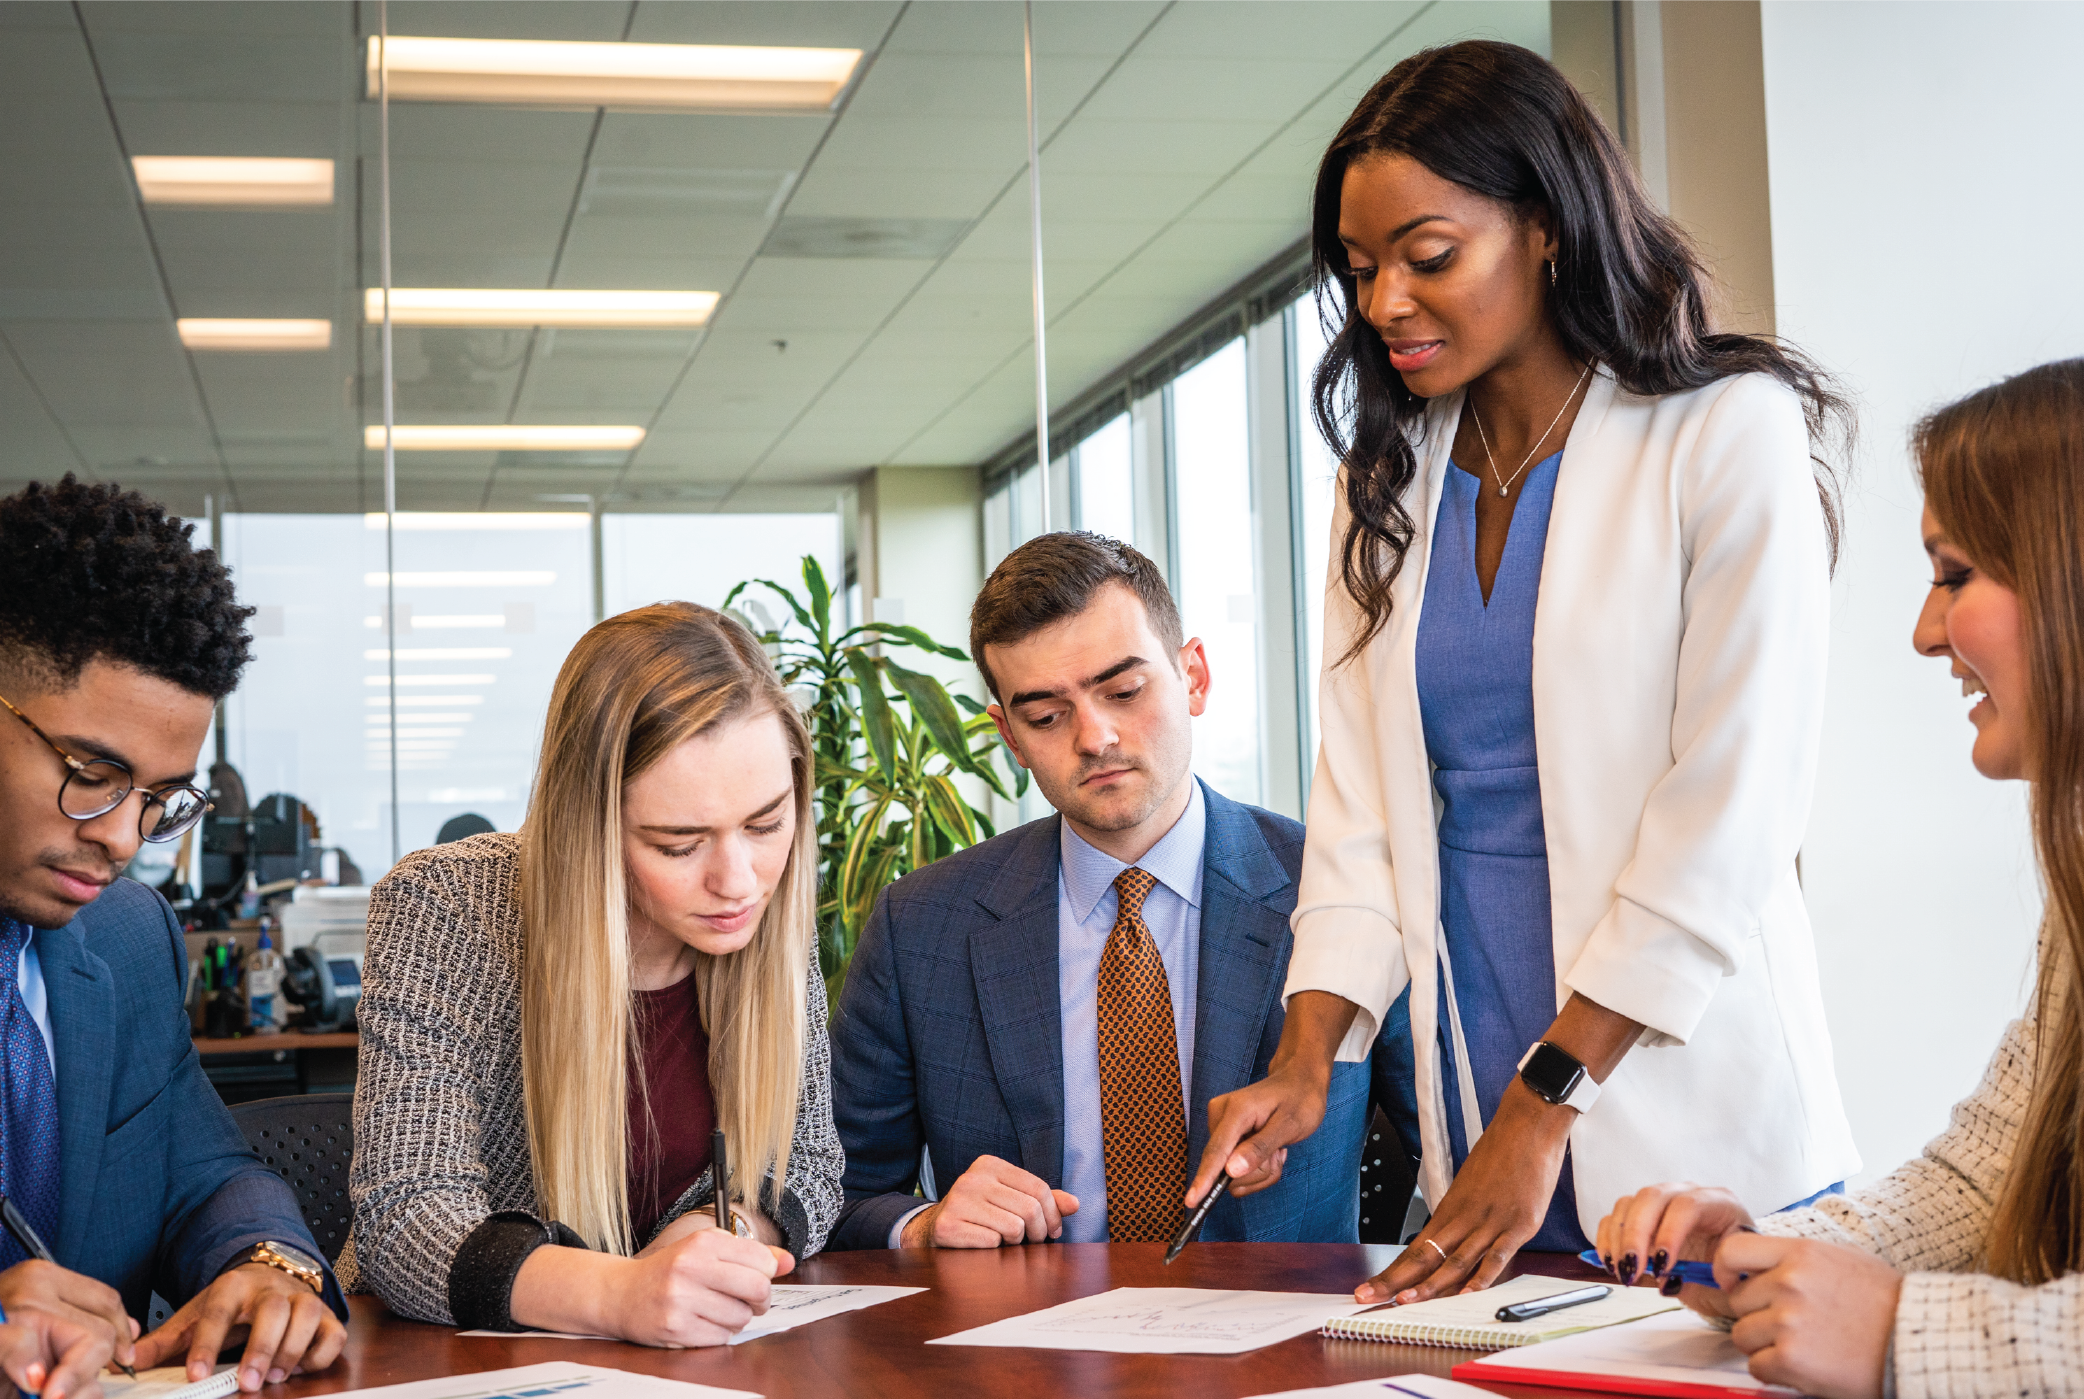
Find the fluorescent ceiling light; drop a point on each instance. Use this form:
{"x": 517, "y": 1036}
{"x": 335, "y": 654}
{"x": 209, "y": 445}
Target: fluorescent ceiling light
{"x": 504, "y": 437}
{"x": 442, "y": 653}
{"x": 254, "y": 182}
{"x": 523, "y": 72}
{"x": 476, "y": 520}
{"x": 379, "y": 723}
{"x": 404, "y": 700}
{"x": 522, "y": 307}
{"x": 524, "y": 578}
{"x": 206, "y": 334}
{"x": 431, "y": 679}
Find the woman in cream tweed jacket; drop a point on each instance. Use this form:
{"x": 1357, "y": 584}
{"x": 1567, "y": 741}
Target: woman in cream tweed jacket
{"x": 1962, "y": 1273}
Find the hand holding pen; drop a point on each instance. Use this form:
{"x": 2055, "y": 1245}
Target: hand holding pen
{"x": 59, "y": 1293}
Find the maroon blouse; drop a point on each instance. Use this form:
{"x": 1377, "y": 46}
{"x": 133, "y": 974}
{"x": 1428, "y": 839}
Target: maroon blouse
{"x": 669, "y": 1150}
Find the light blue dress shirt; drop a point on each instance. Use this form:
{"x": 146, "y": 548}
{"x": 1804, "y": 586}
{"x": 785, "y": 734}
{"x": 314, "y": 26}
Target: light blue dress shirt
{"x": 29, "y": 976}
{"x": 1085, "y": 901}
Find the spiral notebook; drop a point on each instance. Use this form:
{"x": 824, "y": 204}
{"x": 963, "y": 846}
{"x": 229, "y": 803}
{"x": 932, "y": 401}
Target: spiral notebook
{"x": 1469, "y": 1321}
{"x": 170, "y": 1382}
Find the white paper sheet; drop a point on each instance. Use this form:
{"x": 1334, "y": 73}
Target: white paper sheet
{"x": 1164, "y": 1321}
{"x": 556, "y": 1379}
{"x": 1395, "y": 1387}
{"x": 787, "y": 1308}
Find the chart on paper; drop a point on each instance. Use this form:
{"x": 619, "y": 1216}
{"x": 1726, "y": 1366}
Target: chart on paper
{"x": 787, "y": 1308}
{"x": 1164, "y": 1321}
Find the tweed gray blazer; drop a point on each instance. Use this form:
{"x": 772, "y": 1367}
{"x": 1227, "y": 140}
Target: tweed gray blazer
{"x": 1960, "y": 1334}
{"x": 441, "y": 1143}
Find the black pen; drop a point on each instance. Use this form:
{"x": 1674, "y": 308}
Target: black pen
{"x": 1542, "y": 1306}
{"x": 24, "y": 1233}
{"x": 721, "y": 1166}
{"x": 1208, "y": 1202}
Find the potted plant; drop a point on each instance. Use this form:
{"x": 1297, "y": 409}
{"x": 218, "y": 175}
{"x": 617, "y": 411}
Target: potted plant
{"x": 888, "y": 742}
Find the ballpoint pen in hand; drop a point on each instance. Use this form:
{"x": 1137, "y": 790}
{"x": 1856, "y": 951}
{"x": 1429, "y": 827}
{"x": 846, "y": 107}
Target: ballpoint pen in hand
{"x": 1208, "y": 1202}
{"x": 24, "y": 1233}
{"x": 721, "y": 1166}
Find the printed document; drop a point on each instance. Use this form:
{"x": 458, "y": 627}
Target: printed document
{"x": 787, "y": 1308}
{"x": 558, "y": 1379}
{"x": 1395, "y": 1387}
{"x": 1164, "y": 1321}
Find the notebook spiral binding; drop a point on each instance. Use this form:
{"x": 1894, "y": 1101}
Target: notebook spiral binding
{"x": 1356, "y": 1328}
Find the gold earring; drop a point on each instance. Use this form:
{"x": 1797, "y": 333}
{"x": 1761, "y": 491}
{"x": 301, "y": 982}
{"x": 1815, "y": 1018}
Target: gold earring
{"x": 1552, "y": 272}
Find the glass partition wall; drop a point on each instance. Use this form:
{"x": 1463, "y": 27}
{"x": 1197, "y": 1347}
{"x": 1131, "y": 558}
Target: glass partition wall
{"x": 1220, "y": 476}
{"x": 488, "y": 606}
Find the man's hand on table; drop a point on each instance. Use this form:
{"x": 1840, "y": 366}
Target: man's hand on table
{"x": 287, "y": 1328}
{"x": 994, "y": 1202}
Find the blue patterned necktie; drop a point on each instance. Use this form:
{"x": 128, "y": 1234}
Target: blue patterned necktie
{"x": 29, "y": 1122}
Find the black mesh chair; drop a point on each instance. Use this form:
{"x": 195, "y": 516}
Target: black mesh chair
{"x": 308, "y": 1141}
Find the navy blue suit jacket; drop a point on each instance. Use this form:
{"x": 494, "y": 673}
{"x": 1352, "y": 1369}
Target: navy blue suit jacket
{"x": 157, "y": 1188}
{"x": 949, "y": 1035}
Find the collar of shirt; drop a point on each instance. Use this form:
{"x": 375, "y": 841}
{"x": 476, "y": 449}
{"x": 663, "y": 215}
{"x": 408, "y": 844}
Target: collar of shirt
{"x": 1175, "y": 861}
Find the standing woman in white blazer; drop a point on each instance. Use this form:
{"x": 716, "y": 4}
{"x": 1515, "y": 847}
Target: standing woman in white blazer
{"x": 1574, "y": 670}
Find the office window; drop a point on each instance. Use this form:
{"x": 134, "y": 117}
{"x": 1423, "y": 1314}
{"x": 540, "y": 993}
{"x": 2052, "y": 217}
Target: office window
{"x": 700, "y": 558}
{"x": 1316, "y": 480}
{"x": 1106, "y": 485}
{"x": 488, "y": 605}
{"x": 1215, "y": 549}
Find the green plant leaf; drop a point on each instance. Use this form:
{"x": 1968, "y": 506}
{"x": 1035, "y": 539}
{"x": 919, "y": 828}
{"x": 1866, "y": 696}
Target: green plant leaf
{"x": 950, "y": 811}
{"x": 908, "y": 636}
{"x": 931, "y": 705}
{"x": 971, "y": 706}
{"x": 820, "y": 593}
{"x": 877, "y": 722}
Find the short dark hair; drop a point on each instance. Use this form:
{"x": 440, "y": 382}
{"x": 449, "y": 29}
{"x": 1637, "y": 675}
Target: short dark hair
{"x": 101, "y": 573}
{"x": 1053, "y": 577}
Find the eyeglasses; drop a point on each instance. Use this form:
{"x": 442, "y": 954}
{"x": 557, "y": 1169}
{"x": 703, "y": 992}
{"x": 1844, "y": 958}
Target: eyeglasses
{"x": 100, "y": 785}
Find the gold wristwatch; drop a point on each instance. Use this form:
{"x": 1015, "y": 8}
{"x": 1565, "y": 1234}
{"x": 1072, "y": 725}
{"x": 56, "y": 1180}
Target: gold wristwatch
{"x": 294, "y": 1261}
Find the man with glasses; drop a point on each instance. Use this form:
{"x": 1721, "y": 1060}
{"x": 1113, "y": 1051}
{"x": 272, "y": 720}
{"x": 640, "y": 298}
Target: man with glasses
{"x": 117, "y": 640}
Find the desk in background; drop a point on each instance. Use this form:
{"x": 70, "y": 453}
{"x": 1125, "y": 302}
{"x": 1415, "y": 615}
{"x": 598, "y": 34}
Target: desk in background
{"x": 272, "y": 1066}
{"x": 879, "y": 1351}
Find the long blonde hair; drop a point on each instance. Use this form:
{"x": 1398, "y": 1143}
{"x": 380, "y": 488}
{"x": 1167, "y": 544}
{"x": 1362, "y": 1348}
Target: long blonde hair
{"x": 2003, "y": 472}
{"x": 634, "y": 688}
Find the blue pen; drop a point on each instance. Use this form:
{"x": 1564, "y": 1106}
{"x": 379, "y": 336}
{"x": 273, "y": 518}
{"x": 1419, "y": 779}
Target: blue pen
{"x": 1684, "y": 1270}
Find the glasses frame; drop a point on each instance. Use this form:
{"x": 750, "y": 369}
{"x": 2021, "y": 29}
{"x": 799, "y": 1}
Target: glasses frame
{"x": 73, "y": 767}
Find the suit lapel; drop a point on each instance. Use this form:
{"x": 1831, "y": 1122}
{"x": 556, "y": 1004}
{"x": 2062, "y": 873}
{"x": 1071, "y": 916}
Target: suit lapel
{"x": 81, "y": 992}
{"x": 1242, "y": 942}
{"x": 1013, "y": 962}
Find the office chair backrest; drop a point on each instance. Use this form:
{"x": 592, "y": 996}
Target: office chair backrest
{"x": 308, "y": 1141}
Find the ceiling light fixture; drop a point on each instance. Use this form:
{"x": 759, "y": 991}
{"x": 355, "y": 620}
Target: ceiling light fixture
{"x": 504, "y": 437}
{"x": 522, "y": 307}
{"x": 535, "y": 72}
{"x": 249, "y": 181}
{"x": 204, "y": 333}
{"x": 475, "y": 520}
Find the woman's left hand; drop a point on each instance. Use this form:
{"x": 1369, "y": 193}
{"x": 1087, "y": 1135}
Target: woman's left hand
{"x": 1497, "y": 1202}
{"x": 1811, "y": 1315}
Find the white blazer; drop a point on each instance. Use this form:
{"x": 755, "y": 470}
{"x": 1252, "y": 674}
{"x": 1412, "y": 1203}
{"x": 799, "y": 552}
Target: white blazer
{"x": 1679, "y": 653}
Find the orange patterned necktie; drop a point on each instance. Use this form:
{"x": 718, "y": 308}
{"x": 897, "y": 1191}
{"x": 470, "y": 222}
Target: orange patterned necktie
{"x": 1143, "y": 1124}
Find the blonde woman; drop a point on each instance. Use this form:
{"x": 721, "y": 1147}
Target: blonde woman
{"x": 1962, "y": 1272}
{"x": 553, "y": 1021}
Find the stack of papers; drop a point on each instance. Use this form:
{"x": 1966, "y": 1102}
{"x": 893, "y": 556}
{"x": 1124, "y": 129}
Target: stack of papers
{"x": 787, "y": 1308}
{"x": 1677, "y": 1353}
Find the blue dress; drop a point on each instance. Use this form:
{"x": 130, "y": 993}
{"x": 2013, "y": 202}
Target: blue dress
{"x": 1476, "y": 700}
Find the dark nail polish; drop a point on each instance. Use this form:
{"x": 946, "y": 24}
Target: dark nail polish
{"x": 1607, "y": 1260}
{"x": 1670, "y": 1286}
{"x": 1628, "y": 1270}
{"x": 1657, "y": 1262}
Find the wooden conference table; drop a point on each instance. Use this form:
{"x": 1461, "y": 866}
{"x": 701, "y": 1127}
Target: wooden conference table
{"x": 878, "y": 1351}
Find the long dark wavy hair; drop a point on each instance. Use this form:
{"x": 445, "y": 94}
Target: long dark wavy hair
{"x": 1630, "y": 289}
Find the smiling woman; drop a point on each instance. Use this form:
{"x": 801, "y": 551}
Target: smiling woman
{"x": 631, "y": 970}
